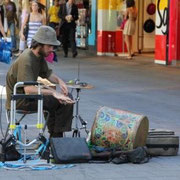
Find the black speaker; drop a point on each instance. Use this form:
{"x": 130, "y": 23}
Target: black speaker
{"x": 70, "y": 150}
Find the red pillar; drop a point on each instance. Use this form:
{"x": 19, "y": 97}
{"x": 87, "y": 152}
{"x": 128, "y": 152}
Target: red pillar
{"x": 178, "y": 30}
{"x": 173, "y": 19}
{"x": 174, "y": 31}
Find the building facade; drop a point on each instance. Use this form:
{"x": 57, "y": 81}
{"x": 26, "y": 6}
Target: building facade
{"x": 156, "y": 31}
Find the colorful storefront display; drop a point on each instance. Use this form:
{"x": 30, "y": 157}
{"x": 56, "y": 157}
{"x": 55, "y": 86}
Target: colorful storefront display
{"x": 109, "y": 35}
{"x": 163, "y": 38}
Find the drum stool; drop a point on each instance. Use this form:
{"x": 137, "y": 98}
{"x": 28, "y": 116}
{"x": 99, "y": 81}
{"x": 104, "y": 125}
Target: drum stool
{"x": 23, "y": 114}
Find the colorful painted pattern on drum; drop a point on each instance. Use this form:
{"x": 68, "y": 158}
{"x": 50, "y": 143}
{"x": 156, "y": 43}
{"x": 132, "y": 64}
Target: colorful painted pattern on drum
{"x": 114, "y": 128}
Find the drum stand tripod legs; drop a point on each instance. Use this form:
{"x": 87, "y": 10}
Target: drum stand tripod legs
{"x": 78, "y": 118}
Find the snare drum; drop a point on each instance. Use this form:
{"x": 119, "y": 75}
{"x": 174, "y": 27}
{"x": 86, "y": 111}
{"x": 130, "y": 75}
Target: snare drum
{"x": 115, "y": 128}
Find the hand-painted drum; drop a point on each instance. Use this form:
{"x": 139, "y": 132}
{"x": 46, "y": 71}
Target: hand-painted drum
{"x": 116, "y": 128}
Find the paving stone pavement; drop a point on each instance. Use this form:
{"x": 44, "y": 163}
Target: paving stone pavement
{"x": 136, "y": 85}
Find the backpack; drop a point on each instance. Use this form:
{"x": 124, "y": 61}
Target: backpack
{"x": 8, "y": 151}
{"x": 117, "y": 156}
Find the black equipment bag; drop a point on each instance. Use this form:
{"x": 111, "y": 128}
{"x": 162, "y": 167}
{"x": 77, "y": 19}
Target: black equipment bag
{"x": 161, "y": 142}
{"x": 70, "y": 150}
{"x": 8, "y": 150}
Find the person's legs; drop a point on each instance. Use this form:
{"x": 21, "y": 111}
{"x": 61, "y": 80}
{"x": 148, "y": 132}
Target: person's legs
{"x": 65, "y": 35}
{"x": 60, "y": 119}
{"x": 127, "y": 40}
{"x": 60, "y": 116}
{"x": 22, "y": 46}
{"x": 130, "y": 45}
{"x": 63, "y": 118}
{"x": 12, "y": 33}
{"x": 72, "y": 41}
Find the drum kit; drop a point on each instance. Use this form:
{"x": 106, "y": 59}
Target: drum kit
{"x": 112, "y": 128}
{"x": 77, "y": 85}
{"x": 74, "y": 85}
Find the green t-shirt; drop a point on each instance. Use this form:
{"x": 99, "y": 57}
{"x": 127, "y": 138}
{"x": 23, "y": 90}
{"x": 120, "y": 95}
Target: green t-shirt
{"x": 26, "y": 68}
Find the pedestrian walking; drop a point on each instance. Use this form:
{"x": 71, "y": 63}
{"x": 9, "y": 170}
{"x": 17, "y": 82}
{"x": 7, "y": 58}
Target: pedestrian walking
{"x": 69, "y": 14}
{"x": 34, "y": 20}
{"x": 2, "y": 14}
{"x": 53, "y": 18}
{"x": 12, "y": 21}
{"x": 24, "y": 15}
{"x": 130, "y": 25}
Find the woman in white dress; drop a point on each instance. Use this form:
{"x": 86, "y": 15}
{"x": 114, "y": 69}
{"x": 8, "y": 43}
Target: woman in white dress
{"x": 130, "y": 25}
{"x": 24, "y": 14}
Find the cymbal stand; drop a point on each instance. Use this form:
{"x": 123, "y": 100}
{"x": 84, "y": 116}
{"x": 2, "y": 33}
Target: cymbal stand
{"x": 76, "y": 130}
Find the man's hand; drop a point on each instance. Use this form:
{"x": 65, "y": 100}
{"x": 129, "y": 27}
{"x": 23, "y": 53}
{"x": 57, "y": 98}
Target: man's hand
{"x": 63, "y": 88}
{"x": 62, "y": 98}
{"x": 68, "y": 18}
{"x": 55, "y": 79}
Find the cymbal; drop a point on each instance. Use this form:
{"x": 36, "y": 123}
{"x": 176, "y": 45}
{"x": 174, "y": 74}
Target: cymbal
{"x": 80, "y": 85}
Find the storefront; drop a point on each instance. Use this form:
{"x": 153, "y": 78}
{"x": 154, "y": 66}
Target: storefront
{"x": 109, "y": 28}
{"x": 156, "y": 32}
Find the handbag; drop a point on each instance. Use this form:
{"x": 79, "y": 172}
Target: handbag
{"x": 50, "y": 57}
{"x": 123, "y": 24}
{"x": 5, "y": 50}
{"x": 26, "y": 28}
{"x": 8, "y": 151}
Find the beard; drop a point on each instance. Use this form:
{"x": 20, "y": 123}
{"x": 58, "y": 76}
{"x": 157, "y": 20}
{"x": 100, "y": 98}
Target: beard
{"x": 42, "y": 53}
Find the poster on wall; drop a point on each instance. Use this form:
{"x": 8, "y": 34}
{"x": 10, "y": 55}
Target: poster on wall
{"x": 161, "y": 32}
{"x": 120, "y": 47}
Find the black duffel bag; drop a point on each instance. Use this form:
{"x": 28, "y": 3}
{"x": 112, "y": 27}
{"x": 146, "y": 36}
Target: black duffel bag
{"x": 70, "y": 150}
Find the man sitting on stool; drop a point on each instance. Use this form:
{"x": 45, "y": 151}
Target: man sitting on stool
{"x": 31, "y": 64}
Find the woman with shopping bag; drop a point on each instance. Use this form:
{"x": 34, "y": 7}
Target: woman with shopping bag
{"x": 130, "y": 25}
{"x": 2, "y": 15}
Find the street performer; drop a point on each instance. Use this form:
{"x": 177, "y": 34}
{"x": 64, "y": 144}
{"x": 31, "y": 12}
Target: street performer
{"x": 31, "y": 64}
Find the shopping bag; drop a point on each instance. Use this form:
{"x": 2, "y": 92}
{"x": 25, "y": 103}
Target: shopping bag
{"x": 123, "y": 24}
{"x": 50, "y": 57}
{"x": 5, "y": 50}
